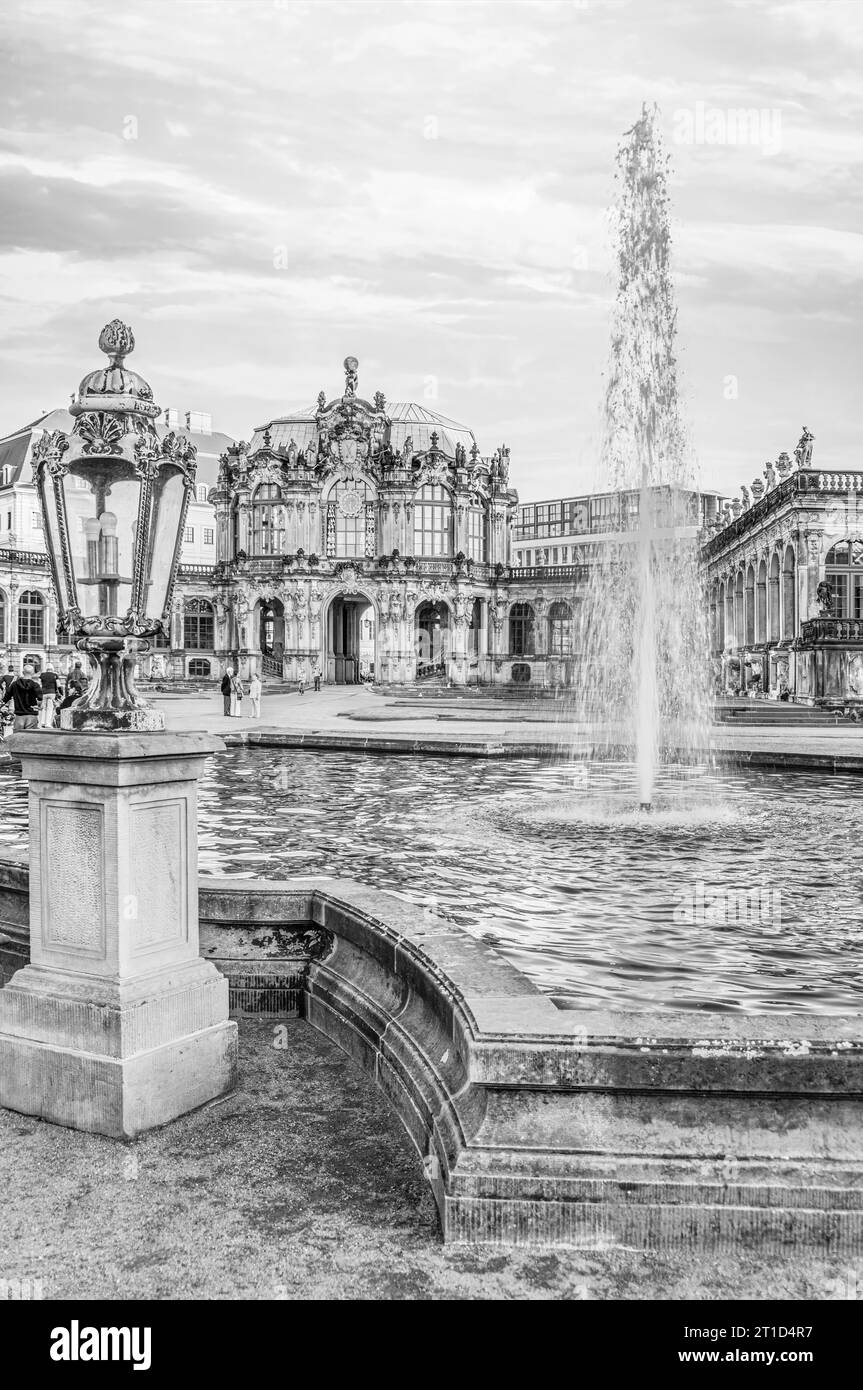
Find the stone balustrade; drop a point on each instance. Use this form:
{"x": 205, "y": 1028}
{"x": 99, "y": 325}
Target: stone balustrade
{"x": 832, "y": 630}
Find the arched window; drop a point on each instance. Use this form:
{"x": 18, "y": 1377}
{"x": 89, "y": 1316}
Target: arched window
{"x": 31, "y": 619}
{"x": 761, "y": 603}
{"x": 349, "y": 522}
{"x": 560, "y": 629}
{"x": 788, "y": 604}
{"x": 521, "y": 630}
{"x": 477, "y": 533}
{"x": 268, "y": 520}
{"x": 844, "y": 574}
{"x": 199, "y": 667}
{"x": 198, "y": 625}
{"x": 432, "y": 521}
{"x": 750, "y": 606}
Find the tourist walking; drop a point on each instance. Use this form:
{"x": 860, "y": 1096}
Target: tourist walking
{"x": 49, "y": 696}
{"x": 25, "y": 693}
{"x": 237, "y": 693}
{"x": 225, "y": 688}
{"x": 316, "y": 675}
{"x": 255, "y": 695}
{"x": 301, "y": 683}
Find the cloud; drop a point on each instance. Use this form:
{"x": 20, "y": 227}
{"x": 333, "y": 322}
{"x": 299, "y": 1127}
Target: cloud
{"x": 264, "y": 188}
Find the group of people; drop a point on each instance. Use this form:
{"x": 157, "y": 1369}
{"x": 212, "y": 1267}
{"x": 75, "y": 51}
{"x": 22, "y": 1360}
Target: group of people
{"x": 316, "y": 678}
{"x": 234, "y": 692}
{"x": 31, "y": 701}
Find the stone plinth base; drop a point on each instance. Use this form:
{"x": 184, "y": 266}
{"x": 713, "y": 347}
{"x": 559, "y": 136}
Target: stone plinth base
{"x": 105, "y": 1093}
{"x": 117, "y": 1024}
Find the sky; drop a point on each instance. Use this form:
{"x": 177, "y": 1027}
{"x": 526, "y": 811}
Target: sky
{"x": 263, "y": 188}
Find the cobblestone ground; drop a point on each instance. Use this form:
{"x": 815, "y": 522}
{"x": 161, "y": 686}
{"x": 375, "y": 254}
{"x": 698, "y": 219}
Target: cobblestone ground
{"x": 302, "y": 1185}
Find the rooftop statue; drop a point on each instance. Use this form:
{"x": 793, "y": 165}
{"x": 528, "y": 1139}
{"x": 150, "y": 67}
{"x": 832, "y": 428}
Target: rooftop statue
{"x": 351, "y": 376}
{"x": 803, "y": 452}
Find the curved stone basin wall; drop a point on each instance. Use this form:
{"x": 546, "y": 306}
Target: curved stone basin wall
{"x": 542, "y": 1126}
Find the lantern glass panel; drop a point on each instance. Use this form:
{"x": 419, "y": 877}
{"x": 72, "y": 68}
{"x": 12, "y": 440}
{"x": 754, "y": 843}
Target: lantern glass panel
{"x": 54, "y": 534}
{"x": 102, "y": 516}
{"x": 168, "y": 514}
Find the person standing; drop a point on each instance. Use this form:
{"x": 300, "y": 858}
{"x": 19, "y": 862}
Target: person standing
{"x": 255, "y": 695}
{"x": 25, "y": 693}
{"x": 75, "y": 686}
{"x": 6, "y": 715}
{"x": 316, "y": 675}
{"x": 49, "y": 697}
{"x": 301, "y": 683}
{"x": 237, "y": 694}
{"x": 225, "y": 688}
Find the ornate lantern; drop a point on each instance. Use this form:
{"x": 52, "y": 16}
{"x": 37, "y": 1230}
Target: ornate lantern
{"x": 114, "y": 499}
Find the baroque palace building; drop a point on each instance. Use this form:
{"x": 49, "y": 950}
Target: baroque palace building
{"x": 374, "y": 541}
{"x": 784, "y": 569}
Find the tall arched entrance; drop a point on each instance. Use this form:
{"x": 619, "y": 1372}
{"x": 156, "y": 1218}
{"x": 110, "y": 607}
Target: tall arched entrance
{"x": 432, "y": 639}
{"x": 351, "y": 634}
{"x": 271, "y": 634}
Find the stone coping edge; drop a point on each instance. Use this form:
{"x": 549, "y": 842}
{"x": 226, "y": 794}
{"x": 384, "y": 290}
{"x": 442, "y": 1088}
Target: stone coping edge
{"x": 542, "y": 1126}
{"x": 489, "y": 748}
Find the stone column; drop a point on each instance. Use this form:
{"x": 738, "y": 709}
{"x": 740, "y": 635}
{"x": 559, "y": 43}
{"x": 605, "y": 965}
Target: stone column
{"x": 116, "y": 1025}
{"x": 814, "y": 573}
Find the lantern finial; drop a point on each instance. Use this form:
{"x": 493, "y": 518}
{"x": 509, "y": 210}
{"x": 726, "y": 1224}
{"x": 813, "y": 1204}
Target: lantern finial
{"x": 117, "y": 340}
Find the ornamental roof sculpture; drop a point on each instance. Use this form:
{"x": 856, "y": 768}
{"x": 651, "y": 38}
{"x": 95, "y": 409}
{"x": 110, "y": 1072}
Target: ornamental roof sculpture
{"x": 348, "y": 436}
{"x": 114, "y": 416}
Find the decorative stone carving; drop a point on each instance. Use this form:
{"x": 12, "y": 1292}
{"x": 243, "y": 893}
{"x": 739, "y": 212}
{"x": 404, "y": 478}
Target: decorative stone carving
{"x": 803, "y": 451}
{"x": 73, "y": 897}
{"x": 824, "y": 597}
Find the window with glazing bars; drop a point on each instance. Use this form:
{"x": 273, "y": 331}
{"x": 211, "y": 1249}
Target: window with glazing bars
{"x": 432, "y": 521}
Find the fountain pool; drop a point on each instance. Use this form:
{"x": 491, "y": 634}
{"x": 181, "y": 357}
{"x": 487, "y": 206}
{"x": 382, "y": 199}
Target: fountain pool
{"x": 739, "y": 893}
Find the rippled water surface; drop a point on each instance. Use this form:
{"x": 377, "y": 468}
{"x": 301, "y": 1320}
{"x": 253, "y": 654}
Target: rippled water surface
{"x": 738, "y": 894}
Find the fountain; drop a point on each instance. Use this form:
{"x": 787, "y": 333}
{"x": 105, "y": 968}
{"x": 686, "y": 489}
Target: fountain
{"x": 642, "y": 680}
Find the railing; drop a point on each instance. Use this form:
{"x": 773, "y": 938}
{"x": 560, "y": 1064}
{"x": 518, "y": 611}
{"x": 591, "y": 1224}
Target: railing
{"x": 195, "y": 572}
{"x": 268, "y": 562}
{"x": 832, "y": 630}
{"x": 835, "y": 482}
{"x": 563, "y": 573}
{"x": 37, "y": 558}
{"x": 805, "y": 480}
{"x": 271, "y": 665}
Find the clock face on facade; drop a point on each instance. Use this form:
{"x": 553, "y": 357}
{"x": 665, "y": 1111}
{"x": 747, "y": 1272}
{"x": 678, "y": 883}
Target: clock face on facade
{"x": 350, "y": 503}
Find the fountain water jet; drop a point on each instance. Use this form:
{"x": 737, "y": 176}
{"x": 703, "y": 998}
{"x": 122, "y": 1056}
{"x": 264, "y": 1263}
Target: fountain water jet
{"x": 642, "y": 678}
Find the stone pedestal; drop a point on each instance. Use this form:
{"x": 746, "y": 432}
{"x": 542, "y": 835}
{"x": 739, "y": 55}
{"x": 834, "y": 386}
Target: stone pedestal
{"x": 116, "y": 1025}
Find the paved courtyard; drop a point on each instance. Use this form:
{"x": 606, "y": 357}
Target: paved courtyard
{"x": 352, "y": 712}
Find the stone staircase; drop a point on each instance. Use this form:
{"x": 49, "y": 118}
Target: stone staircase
{"x": 778, "y": 714}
